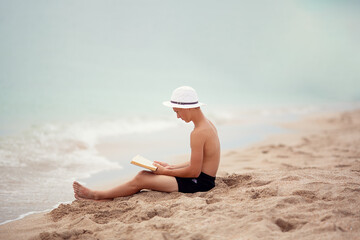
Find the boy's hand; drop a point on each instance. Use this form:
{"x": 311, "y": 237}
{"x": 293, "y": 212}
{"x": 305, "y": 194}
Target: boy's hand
{"x": 161, "y": 170}
{"x": 163, "y": 164}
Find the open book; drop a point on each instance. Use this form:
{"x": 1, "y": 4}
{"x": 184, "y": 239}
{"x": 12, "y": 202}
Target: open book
{"x": 143, "y": 162}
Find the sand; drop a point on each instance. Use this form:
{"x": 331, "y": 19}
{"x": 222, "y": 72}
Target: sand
{"x": 304, "y": 185}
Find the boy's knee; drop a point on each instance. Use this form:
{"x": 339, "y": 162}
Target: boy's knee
{"x": 139, "y": 178}
{"x": 141, "y": 174}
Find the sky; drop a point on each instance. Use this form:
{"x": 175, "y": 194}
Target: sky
{"x": 90, "y": 54}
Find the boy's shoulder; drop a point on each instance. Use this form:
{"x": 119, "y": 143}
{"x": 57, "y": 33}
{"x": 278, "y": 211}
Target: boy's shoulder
{"x": 202, "y": 130}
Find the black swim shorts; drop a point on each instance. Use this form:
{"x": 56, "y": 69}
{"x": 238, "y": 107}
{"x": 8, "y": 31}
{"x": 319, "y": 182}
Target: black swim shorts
{"x": 202, "y": 183}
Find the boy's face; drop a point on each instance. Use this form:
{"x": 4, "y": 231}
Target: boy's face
{"x": 182, "y": 113}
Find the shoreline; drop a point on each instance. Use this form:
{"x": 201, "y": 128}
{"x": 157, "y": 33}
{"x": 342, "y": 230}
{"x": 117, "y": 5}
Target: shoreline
{"x": 110, "y": 150}
{"x": 264, "y": 160}
{"x": 22, "y": 216}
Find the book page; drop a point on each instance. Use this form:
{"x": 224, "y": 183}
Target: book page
{"x": 143, "y": 162}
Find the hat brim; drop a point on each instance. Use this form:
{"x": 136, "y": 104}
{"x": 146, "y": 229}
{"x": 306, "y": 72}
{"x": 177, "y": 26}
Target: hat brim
{"x": 185, "y": 106}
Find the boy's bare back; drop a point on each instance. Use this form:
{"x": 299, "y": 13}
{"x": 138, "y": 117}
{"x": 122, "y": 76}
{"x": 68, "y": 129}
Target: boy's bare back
{"x": 206, "y": 134}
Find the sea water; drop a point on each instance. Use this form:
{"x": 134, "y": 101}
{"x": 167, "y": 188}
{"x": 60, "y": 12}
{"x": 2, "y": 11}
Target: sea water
{"x": 75, "y": 75}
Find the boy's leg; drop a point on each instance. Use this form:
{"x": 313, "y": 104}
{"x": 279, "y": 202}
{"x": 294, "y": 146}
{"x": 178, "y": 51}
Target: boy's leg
{"x": 143, "y": 180}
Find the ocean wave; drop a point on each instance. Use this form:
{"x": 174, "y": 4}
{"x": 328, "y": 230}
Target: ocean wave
{"x": 72, "y": 145}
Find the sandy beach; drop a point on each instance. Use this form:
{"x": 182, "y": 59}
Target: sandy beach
{"x": 303, "y": 185}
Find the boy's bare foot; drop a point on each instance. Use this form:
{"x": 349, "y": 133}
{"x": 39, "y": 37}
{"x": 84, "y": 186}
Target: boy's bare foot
{"x": 82, "y": 192}
{"x": 80, "y": 198}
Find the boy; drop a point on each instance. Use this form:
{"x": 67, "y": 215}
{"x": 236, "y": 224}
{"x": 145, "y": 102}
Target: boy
{"x": 196, "y": 175}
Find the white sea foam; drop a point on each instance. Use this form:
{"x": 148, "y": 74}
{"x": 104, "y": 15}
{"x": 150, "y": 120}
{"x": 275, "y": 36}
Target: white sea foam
{"x": 70, "y": 145}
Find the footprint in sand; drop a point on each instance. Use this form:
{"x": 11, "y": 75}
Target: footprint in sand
{"x": 310, "y": 195}
{"x": 72, "y": 234}
{"x": 262, "y": 193}
{"x": 235, "y": 179}
{"x": 284, "y": 226}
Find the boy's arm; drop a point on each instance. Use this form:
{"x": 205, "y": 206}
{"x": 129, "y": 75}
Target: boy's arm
{"x": 193, "y": 169}
{"x": 180, "y": 165}
{"x": 175, "y": 166}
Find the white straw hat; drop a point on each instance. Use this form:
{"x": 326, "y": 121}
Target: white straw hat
{"x": 184, "y": 97}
